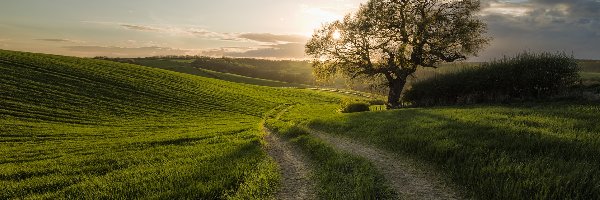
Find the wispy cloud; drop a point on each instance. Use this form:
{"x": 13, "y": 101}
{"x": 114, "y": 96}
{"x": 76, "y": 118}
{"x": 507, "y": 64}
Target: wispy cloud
{"x": 273, "y": 38}
{"x": 113, "y": 51}
{"x": 59, "y": 40}
{"x": 207, "y": 34}
{"x": 181, "y": 31}
{"x": 140, "y": 27}
{"x": 280, "y": 51}
{"x": 507, "y": 8}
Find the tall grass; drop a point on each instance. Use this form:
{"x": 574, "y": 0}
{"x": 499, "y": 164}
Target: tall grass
{"x": 525, "y": 76}
{"x": 544, "y": 151}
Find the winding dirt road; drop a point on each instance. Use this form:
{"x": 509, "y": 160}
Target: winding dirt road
{"x": 407, "y": 180}
{"x": 296, "y": 183}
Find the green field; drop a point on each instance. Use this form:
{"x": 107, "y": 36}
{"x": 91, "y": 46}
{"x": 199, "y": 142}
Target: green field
{"x": 184, "y": 66}
{"x": 590, "y": 78}
{"x": 537, "y": 151}
{"x": 73, "y": 128}
{"x": 89, "y": 129}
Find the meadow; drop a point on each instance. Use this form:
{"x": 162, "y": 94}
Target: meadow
{"x": 519, "y": 151}
{"x": 88, "y": 129}
{"x": 338, "y": 174}
{"x": 185, "y": 66}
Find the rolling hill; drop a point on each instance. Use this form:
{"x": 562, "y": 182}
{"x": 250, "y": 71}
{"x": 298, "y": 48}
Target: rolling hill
{"x": 187, "y": 66}
{"x": 88, "y": 129}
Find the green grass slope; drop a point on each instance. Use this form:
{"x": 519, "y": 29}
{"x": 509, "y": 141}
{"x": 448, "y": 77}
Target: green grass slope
{"x": 543, "y": 151}
{"x": 91, "y": 129}
{"x": 184, "y": 66}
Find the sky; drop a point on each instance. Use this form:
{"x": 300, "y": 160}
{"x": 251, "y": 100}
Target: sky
{"x": 275, "y": 29}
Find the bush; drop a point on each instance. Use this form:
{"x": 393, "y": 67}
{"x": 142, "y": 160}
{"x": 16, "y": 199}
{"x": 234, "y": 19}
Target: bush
{"x": 526, "y": 76}
{"x": 353, "y": 105}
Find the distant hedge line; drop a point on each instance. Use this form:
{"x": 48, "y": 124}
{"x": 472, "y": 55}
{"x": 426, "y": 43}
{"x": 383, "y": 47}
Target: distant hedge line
{"x": 525, "y": 76}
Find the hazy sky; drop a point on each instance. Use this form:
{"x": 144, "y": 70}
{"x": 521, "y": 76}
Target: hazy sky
{"x": 263, "y": 28}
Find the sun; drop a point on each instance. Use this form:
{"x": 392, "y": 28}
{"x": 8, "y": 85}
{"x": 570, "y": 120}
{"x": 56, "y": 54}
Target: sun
{"x": 336, "y": 35}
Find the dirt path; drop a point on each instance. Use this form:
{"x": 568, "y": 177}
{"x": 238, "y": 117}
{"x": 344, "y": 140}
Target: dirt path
{"x": 406, "y": 179}
{"x": 294, "y": 169}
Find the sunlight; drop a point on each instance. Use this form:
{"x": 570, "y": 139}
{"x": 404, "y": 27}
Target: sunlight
{"x": 507, "y": 9}
{"x": 336, "y": 35}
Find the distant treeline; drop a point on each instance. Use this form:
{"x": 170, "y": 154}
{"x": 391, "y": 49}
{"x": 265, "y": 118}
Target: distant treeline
{"x": 526, "y": 76}
{"x": 300, "y": 72}
{"x": 279, "y": 70}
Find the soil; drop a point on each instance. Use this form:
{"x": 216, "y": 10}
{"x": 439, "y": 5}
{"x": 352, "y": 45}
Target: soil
{"x": 295, "y": 170}
{"x": 405, "y": 176}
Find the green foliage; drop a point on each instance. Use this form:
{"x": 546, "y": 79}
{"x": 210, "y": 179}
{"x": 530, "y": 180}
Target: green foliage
{"x": 75, "y": 128}
{"x": 525, "y": 76}
{"x": 353, "y": 105}
{"x": 385, "y": 41}
{"x": 545, "y": 151}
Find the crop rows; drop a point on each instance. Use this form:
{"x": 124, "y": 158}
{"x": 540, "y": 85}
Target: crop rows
{"x": 89, "y": 129}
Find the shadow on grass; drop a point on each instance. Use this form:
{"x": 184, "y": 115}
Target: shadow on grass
{"x": 493, "y": 159}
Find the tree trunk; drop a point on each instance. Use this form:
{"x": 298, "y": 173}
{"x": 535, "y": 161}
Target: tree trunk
{"x": 396, "y": 86}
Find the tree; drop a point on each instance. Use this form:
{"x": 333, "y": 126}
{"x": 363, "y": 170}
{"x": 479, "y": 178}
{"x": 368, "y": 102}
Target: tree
{"x": 387, "y": 40}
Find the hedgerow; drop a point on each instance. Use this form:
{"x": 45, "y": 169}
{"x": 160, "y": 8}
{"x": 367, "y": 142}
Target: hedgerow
{"x": 525, "y": 76}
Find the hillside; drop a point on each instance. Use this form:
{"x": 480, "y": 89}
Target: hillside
{"x": 185, "y": 66}
{"x": 519, "y": 151}
{"x": 242, "y": 70}
{"x": 88, "y": 129}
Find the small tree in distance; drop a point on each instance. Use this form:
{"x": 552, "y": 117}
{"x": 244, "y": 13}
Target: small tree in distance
{"x": 387, "y": 40}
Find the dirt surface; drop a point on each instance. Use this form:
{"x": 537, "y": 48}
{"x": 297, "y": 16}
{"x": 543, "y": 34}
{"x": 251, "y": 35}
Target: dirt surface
{"x": 296, "y": 183}
{"x": 408, "y": 181}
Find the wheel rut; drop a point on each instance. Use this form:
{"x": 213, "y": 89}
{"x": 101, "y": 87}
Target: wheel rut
{"x": 296, "y": 173}
{"x": 406, "y": 179}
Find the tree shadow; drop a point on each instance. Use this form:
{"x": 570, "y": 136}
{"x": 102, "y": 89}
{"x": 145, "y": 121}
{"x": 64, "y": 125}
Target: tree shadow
{"x": 492, "y": 158}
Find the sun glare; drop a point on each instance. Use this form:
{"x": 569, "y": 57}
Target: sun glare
{"x": 336, "y": 35}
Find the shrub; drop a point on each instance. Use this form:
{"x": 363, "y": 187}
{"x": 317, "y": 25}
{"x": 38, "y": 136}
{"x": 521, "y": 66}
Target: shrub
{"x": 525, "y": 76}
{"x": 353, "y": 105}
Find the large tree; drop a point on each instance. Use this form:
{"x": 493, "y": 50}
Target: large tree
{"x": 388, "y": 40}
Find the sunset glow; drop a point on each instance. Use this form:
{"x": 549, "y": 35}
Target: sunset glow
{"x": 230, "y": 28}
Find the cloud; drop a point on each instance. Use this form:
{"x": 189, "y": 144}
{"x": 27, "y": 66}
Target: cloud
{"x": 281, "y": 51}
{"x": 112, "y": 51}
{"x": 212, "y": 35}
{"x": 273, "y": 38}
{"x": 207, "y": 34}
{"x": 571, "y": 26}
{"x": 140, "y": 27}
{"x": 183, "y": 31}
{"x": 58, "y": 40}
{"x": 494, "y": 8}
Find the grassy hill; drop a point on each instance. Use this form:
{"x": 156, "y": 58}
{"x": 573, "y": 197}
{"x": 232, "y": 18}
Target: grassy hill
{"x": 184, "y": 66}
{"x": 89, "y": 129}
{"x": 94, "y": 129}
{"x": 520, "y": 151}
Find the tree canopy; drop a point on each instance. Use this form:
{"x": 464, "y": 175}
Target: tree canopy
{"x": 387, "y": 40}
